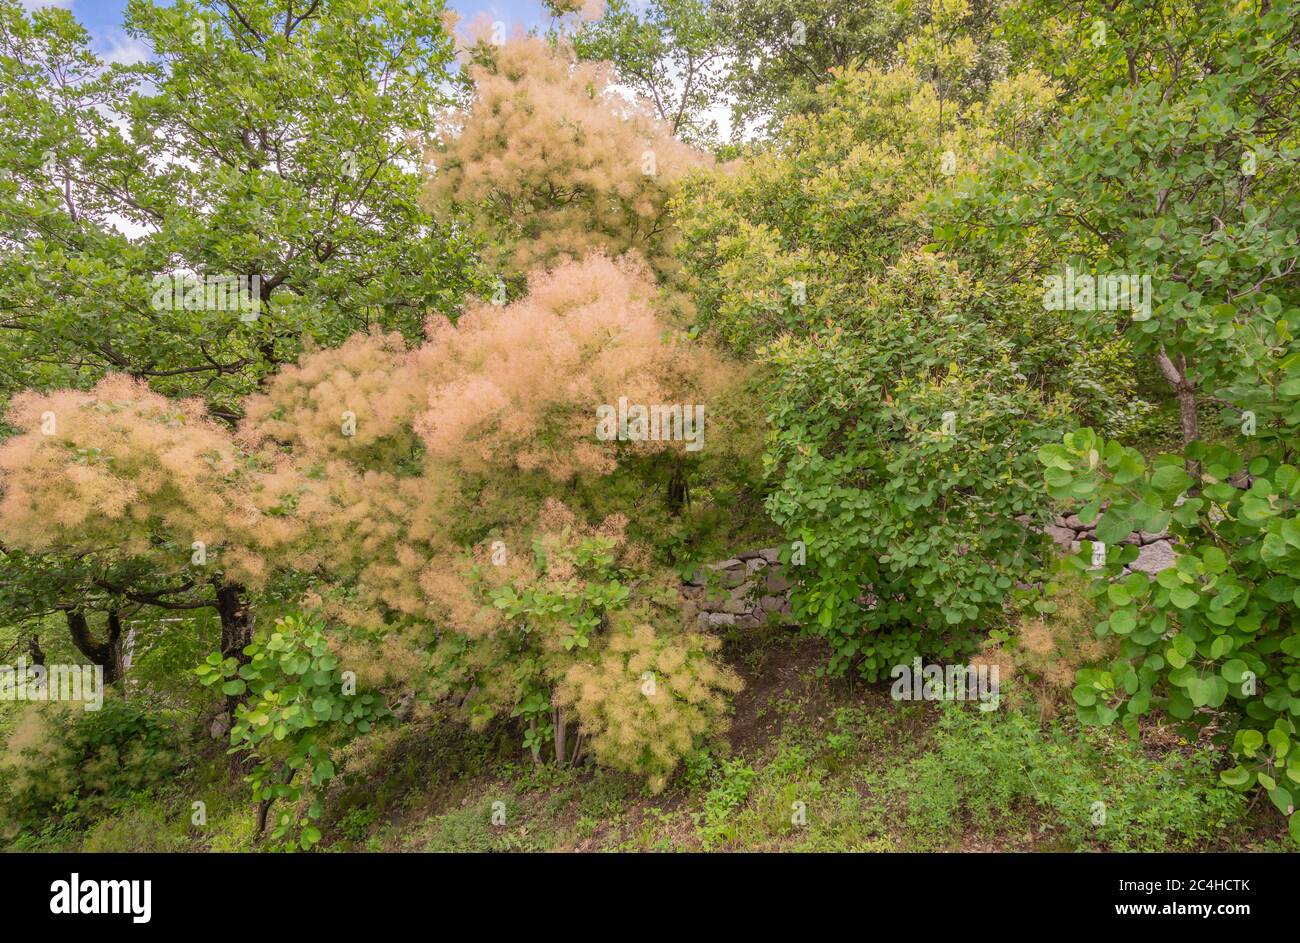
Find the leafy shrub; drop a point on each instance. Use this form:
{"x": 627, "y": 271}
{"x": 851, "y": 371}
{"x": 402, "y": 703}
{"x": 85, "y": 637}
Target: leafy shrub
{"x": 1213, "y": 636}
{"x": 300, "y": 705}
{"x": 911, "y": 527}
{"x": 67, "y": 763}
{"x": 814, "y": 255}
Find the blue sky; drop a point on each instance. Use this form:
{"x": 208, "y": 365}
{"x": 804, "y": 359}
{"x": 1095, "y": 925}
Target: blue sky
{"x": 103, "y": 18}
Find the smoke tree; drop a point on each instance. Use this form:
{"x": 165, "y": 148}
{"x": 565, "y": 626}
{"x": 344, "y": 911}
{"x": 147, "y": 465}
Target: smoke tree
{"x": 154, "y": 487}
{"x": 549, "y": 163}
{"x": 456, "y": 444}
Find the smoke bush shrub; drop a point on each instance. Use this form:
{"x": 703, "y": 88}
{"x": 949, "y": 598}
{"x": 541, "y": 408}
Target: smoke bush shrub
{"x": 548, "y": 163}
{"x": 591, "y": 639}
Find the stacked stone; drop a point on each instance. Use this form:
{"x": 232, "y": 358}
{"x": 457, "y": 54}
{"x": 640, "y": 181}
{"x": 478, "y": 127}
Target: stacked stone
{"x": 1155, "y": 551}
{"x": 747, "y": 589}
{"x": 743, "y": 591}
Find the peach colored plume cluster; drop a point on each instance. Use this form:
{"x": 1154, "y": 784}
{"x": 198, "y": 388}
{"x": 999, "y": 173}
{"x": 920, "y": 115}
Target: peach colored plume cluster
{"x": 551, "y": 163}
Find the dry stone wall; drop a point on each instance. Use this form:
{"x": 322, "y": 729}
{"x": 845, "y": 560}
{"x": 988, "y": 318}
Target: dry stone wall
{"x": 752, "y": 587}
{"x": 746, "y": 590}
{"x": 1155, "y": 551}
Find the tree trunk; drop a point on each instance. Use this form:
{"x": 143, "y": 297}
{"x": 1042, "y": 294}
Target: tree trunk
{"x": 236, "y": 631}
{"x": 264, "y": 806}
{"x": 1176, "y": 374}
{"x": 236, "y": 621}
{"x": 561, "y": 737}
{"x": 107, "y": 654}
{"x": 679, "y": 489}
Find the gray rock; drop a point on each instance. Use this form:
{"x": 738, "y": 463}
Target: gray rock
{"x": 776, "y": 582}
{"x": 755, "y": 564}
{"x": 1060, "y": 535}
{"x": 721, "y": 618}
{"x": 744, "y": 589}
{"x": 220, "y": 727}
{"x": 770, "y": 554}
{"x": 732, "y": 578}
{"x": 740, "y": 601}
{"x": 749, "y": 555}
{"x": 774, "y": 604}
{"x": 1150, "y": 538}
{"x": 1154, "y": 557}
{"x": 730, "y": 572}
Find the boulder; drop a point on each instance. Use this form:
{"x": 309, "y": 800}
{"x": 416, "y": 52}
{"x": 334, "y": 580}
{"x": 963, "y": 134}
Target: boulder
{"x": 1154, "y": 557}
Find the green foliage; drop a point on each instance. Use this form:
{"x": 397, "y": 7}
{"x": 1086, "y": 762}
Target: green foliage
{"x": 579, "y": 605}
{"x": 1184, "y": 174}
{"x": 1214, "y": 635}
{"x": 273, "y": 143}
{"x": 775, "y": 67}
{"x": 732, "y": 781}
{"x": 995, "y": 771}
{"x": 909, "y": 521}
{"x": 138, "y": 827}
{"x": 299, "y": 706}
{"x": 667, "y": 51}
{"x": 1179, "y": 171}
{"x": 69, "y": 767}
{"x": 811, "y": 255}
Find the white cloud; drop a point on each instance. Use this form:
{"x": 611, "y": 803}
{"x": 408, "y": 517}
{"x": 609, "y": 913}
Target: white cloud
{"x": 37, "y": 4}
{"x": 123, "y": 49}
